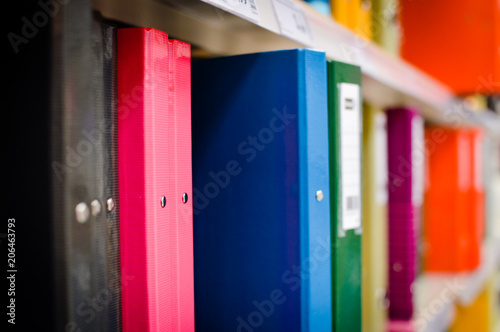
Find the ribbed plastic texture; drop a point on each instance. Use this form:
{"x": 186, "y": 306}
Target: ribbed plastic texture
{"x": 403, "y": 213}
{"x": 154, "y": 138}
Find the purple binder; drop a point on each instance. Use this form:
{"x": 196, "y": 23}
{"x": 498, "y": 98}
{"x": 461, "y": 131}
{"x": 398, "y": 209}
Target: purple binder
{"x": 405, "y": 164}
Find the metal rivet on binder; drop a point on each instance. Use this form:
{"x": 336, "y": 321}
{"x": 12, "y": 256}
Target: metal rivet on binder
{"x": 82, "y": 212}
{"x": 397, "y": 267}
{"x": 163, "y": 201}
{"x": 110, "y": 204}
{"x": 95, "y": 207}
{"x": 319, "y": 195}
{"x": 184, "y": 198}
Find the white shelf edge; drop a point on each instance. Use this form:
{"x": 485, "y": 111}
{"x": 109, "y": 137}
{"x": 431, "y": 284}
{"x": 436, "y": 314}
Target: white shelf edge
{"x": 387, "y": 81}
{"x": 438, "y": 293}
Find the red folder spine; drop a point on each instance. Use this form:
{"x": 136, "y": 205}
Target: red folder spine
{"x": 153, "y": 139}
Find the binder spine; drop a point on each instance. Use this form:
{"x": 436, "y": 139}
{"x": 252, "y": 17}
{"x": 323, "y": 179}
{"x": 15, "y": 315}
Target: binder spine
{"x": 153, "y": 136}
{"x": 315, "y": 193}
{"x": 403, "y": 213}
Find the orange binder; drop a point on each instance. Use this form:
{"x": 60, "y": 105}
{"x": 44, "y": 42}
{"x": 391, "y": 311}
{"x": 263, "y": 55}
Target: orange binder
{"x": 453, "y": 212}
{"x": 457, "y": 42}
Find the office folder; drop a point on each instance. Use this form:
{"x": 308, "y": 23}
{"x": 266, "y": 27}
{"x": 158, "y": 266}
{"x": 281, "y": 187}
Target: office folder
{"x": 386, "y": 25}
{"x": 406, "y": 170}
{"x": 261, "y": 196}
{"x": 60, "y": 148}
{"x": 452, "y": 221}
{"x": 345, "y": 130}
{"x": 154, "y": 153}
{"x": 323, "y": 6}
{"x": 374, "y": 242}
{"x": 477, "y": 69}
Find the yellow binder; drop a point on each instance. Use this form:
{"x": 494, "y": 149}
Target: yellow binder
{"x": 374, "y": 245}
{"x": 482, "y": 314}
{"x": 345, "y": 12}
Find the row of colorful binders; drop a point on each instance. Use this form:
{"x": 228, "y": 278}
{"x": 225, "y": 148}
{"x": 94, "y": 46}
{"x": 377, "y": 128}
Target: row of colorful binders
{"x": 285, "y": 173}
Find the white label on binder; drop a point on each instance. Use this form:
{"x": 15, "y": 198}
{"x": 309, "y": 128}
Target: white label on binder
{"x": 293, "y": 21}
{"x": 478, "y": 162}
{"x": 381, "y": 171}
{"x": 350, "y": 148}
{"x": 246, "y": 9}
{"x": 417, "y": 160}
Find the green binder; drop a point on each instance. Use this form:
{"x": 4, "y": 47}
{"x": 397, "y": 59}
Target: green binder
{"x": 345, "y": 132}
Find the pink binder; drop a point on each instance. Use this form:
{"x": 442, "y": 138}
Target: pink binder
{"x": 154, "y": 149}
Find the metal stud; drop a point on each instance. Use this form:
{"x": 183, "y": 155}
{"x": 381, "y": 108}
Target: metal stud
{"x": 82, "y": 212}
{"x": 110, "y": 204}
{"x": 163, "y": 201}
{"x": 184, "y": 198}
{"x": 319, "y": 195}
{"x": 95, "y": 207}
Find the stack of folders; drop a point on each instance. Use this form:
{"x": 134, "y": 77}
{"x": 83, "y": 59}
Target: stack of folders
{"x": 406, "y": 169}
{"x": 154, "y": 149}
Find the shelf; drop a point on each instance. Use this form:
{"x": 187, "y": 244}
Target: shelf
{"x": 437, "y": 293}
{"x": 387, "y": 81}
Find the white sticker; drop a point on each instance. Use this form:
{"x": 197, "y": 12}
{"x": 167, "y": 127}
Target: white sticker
{"x": 293, "y": 21}
{"x": 246, "y": 9}
{"x": 417, "y": 160}
{"x": 464, "y": 157}
{"x": 350, "y": 148}
{"x": 381, "y": 171}
{"x": 478, "y": 162}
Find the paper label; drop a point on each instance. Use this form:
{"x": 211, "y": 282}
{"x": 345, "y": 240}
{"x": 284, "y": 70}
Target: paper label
{"x": 464, "y": 155}
{"x": 381, "y": 170}
{"x": 478, "y": 162}
{"x": 417, "y": 160}
{"x": 350, "y": 147}
{"x": 246, "y": 9}
{"x": 293, "y": 21}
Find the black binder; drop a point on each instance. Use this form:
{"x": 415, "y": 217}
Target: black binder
{"x": 61, "y": 177}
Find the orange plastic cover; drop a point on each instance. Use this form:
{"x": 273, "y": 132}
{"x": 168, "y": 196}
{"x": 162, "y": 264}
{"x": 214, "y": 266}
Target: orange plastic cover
{"x": 454, "y": 199}
{"x": 456, "y": 41}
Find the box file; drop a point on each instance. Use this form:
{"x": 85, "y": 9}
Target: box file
{"x": 345, "y": 133}
{"x": 261, "y": 192}
{"x": 374, "y": 242}
{"x": 406, "y": 170}
{"x": 154, "y": 149}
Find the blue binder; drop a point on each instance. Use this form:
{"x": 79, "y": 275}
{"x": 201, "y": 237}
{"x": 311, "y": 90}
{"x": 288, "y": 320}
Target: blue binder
{"x": 261, "y": 193}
